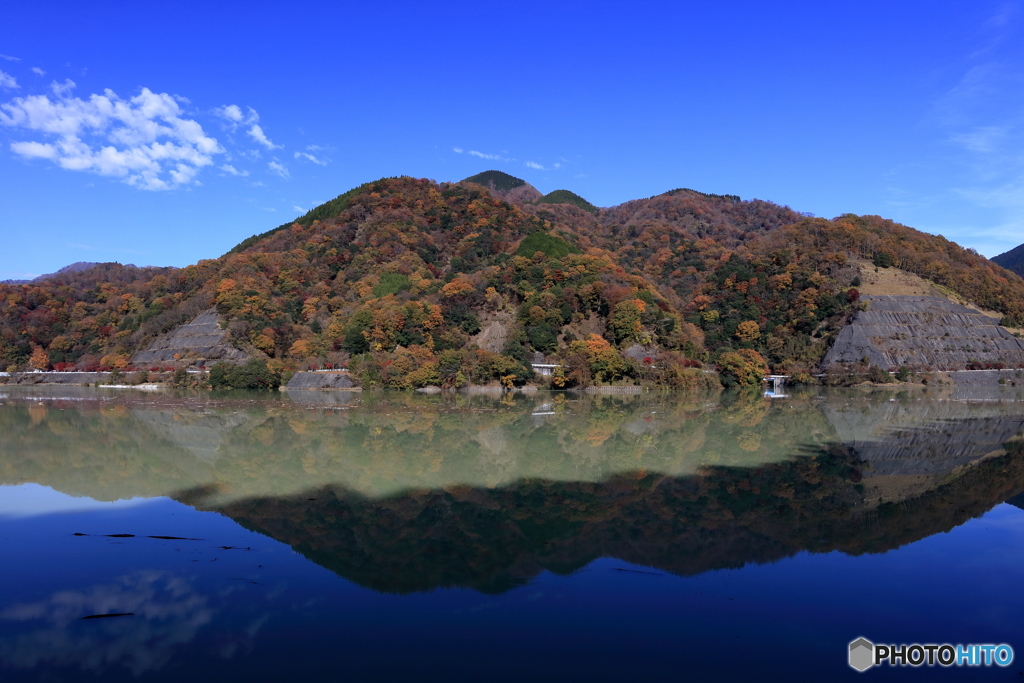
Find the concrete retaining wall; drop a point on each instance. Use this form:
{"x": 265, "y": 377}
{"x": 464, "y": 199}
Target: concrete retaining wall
{"x": 78, "y": 378}
{"x": 322, "y": 381}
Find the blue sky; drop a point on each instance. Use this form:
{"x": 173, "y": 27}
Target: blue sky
{"x": 163, "y": 133}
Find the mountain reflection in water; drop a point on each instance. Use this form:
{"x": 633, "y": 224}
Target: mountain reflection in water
{"x": 404, "y": 493}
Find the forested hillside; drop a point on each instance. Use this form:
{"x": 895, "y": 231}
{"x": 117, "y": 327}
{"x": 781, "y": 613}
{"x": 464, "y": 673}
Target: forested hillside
{"x": 1012, "y": 260}
{"x": 409, "y": 282}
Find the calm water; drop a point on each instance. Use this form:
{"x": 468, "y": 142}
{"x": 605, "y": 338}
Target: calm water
{"x": 396, "y": 537}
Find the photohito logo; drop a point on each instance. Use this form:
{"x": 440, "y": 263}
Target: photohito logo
{"x": 864, "y": 654}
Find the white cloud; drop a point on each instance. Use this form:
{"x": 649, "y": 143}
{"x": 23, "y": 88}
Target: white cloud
{"x": 475, "y": 153}
{"x": 144, "y": 140}
{"x": 298, "y": 208}
{"x": 483, "y": 155}
{"x": 257, "y": 134}
{"x": 62, "y": 89}
{"x": 534, "y": 165}
{"x": 234, "y": 115}
{"x": 279, "y": 169}
{"x": 37, "y": 71}
{"x": 10, "y": 58}
{"x": 8, "y": 82}
{"x": 230, "y": 112}
{"x": 310, "y": 157}
{"x": 317, "y": 148}
{"x": 228, "y": 168}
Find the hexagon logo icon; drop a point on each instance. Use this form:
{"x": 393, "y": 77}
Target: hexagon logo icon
{"x": 862, "y": 654}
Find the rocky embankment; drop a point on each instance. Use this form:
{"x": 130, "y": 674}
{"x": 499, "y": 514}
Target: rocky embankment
{"x": 201, "y": 341}
{"x": 925, "y": 331}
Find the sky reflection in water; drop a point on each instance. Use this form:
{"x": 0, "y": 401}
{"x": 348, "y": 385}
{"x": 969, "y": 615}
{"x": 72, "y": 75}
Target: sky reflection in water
{"x": 558, "y": 537}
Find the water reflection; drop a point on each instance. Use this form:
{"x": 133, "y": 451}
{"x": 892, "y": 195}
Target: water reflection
{"x": 165, "y": 613}
{"x": 406, "y": 493}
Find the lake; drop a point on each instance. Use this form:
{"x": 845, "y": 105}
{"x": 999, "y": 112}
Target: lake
{"x": 376, "y": 536}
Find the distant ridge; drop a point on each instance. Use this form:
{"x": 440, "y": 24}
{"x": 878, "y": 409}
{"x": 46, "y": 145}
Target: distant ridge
{"x": 1012, "y": 260}
{"x": 507, "y": 187}
{"x": 496, "y": 180}
{"x": 567, "y": 197}
{"x": 76, "y": 267}
{"x": 730, "y": 197}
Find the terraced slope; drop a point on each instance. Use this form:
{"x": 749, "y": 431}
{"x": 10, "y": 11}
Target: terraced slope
{"x": 924, "y": 330}
{"x": 200, "y": 340}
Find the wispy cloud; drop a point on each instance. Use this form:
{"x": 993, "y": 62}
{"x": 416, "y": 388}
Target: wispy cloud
{"x": 145, "y": 140}
{"x": 299, "y": 209}
{"x": 228, "y": 168}
{"x": 279, "y": 169}
{"x": 235, "y": 117}
{"x": 979, "y": 124}
{"x": 534, "y": 165}
{"x": 257, "y": 134}
{"x": 37, "y": 71}
{"x": 232, "y": 113}
{"x": 10, "y": 58}
{"x": 8, "y": 82}
{"x": 984, "y": 139}
{"x": 310, "y": 157}
{"x": 64, "y": 89}
{"x": 482, "y": 155}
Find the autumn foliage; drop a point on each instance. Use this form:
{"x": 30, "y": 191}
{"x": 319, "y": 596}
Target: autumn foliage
{"x": 406, "y": 283}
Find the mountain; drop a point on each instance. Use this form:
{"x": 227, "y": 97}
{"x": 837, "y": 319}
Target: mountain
{"x": 1012, "y": 260}
{"x": 507, "y": 187}
{"x": 567, "y": 197}
{"x": 410, "y": 282}
{"x": 76, "y": 267}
